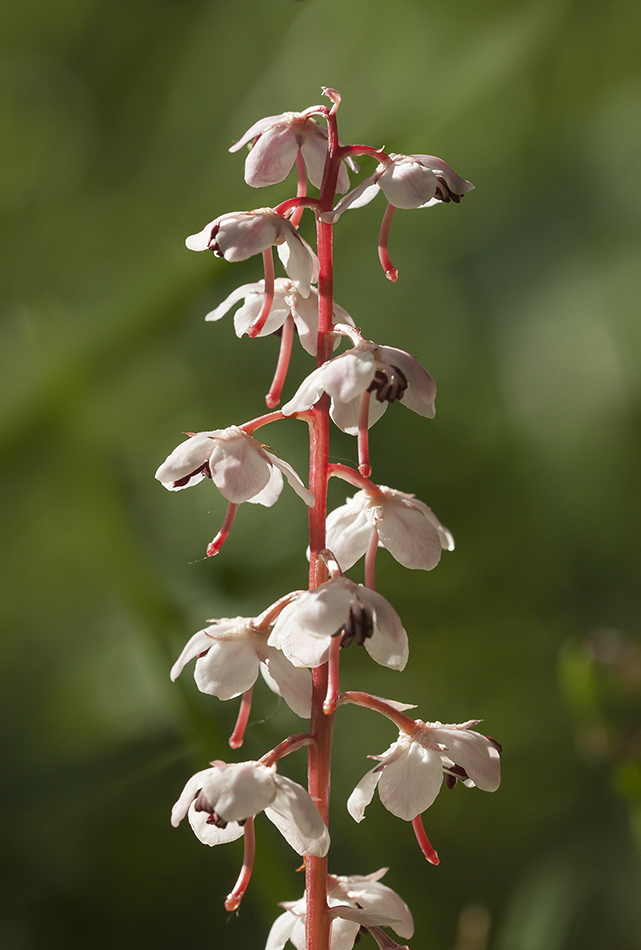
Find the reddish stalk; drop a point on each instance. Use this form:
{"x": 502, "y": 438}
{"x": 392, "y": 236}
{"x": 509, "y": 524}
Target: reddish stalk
{"x": 273, "y": 396}
{"x": 370, "y": 561}
{"x": 423, "y": 840}
{"x": 364, "y": 466}
{"x": 301, "y": 187}
{"x": 237, "y": 736}
{"x": 333, "y": 663}
{"x": 236, "y": 896}
{"x": 383, "y": 237}
{"x": 214, "y": 547}
{"x": 268, "y": 298}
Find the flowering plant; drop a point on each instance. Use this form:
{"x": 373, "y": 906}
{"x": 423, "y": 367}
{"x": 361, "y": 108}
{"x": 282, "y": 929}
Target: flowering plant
{"x": 296, "y": 642}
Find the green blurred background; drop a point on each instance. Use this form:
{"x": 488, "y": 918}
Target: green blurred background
{"x": 115, "y": 117}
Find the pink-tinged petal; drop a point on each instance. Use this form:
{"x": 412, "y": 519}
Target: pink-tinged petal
{"x": 421, "y": 390}
{"x": 293, "y": 683}
{"x": 296, "y": 816}
{"x": 301, "y": 648}
{"x": 347, "y": 376}
{"x": 240, "y": 791}
{"x": 186, "y": 459}
{"x": 345, "y": 414}
{"x": 239, "y": 293}
{"x": 314, "y": 149}
{"x": 349, "y": 529}
{"x": 201, "y": 240}
{"x": 455, "y": 183}
{"x": 298, "y": 259}
{"x": 320, "y": 612}
{"x": 473, "y": 752}
{"x": 210, "y": 834}
{"x": 271, "y": 492}
{"x": 406, "y": 182}
{"x": 272, "y": 157}
{"x": 305, "y": 314}
{"x": 361, "y": 915}
{"x": 256, "y": 129}
{"x": 343, "y": 934}
{"x": 199, "y": 642}
{"x": 388, "y": 645}
{"x": 280, "y": 932}
{"x": 186, "y": 797}
{"x": 228, "y": 669}
{"x": 239, "y": 467}
{"x": 409, "y": 535}
{"x": 383, "y": 900}
{"x": 246, "y": 315}
{"x": 293, "y": 479}
{"x": 243, "y": 234}
{"x": 410, "y": 782}
{"x": 360, "y": 196}
{"x": 307, "y": 394}
{"x": 363, "y": 794}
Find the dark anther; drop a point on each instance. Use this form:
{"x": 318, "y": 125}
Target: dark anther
{"x": 444, "y": 192}
{"x": 213, "y": 243}
{"x": 215, "y": 819}
{"x": 359, "y": 626}
{"x": 203, "y": 470}
{"x": 453, "y": 773}
{"x": 497, "y": 745}
{"x": 388, "y": 384}
{"x": 203, "y": 804}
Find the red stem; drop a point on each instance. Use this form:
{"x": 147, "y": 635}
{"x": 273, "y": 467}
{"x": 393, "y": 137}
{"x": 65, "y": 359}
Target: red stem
{"x": 237, "y": 736}
{"x": 423, "y": 840}
{"x": 364, "y": 466}
{"x": 273, "y": 396}
{"x": 268, "y": 297}
{"x": 214, "y": 547}
{"x": 370, "y": 560}
{"x": 236, "y": 896}
{"x": 383, "y": 237}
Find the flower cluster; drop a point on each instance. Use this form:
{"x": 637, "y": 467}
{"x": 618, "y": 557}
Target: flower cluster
{"x": 297, "y": 642}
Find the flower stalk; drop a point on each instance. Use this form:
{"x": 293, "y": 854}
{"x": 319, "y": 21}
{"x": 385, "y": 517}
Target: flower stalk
{"x": 297, "y": 641}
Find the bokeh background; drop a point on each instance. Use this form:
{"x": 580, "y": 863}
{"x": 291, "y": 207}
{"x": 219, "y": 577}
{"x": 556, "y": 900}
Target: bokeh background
{"x": 115, "y": 118}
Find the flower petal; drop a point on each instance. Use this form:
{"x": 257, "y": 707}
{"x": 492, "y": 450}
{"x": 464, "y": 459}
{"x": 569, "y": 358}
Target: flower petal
{"x": 473, "y": 752}
{"x": 407, "y": 532}
{"x": 280, "y": 932}
{"x": 210, "y": 834}
{"x": 349, "y": 529}
{"x": 388, "y": 645}
{"x": 272, "y": 157}
{"x": 271, "y": 492}
{"x": 410, "y": 782}
{"x": 296, "y": 816}
{"x": 245, "y": 290}
{"x": 228, "y": 669}
{"x": 421, "y": 390}
{"x": 363, "y": 794}
{"x": 293, "y": 683}
{"x": 293, "y": 479}
{"x": 239, "y": 467}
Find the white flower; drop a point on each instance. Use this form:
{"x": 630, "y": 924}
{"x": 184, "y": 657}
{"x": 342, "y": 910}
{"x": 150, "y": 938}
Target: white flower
{"x": 219, "y": 799}
{"x": 241, "y": 234}
{"x": 277, "y": 141}
{"x": 238, "y": 465}
{"x": 230, "y": 654}
{"x": 389, "y": 374}
{"x": 406, "y": 527}
{"x": 340, "y": 607}
{"x": 287, "y": 300}
{"x": 407, "y": 181}
{"x": 355, "y": 901}
{"x": 410, "y": 774}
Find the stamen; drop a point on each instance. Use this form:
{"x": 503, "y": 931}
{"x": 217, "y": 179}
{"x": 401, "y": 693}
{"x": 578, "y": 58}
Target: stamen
{"x": 383, "y": 254}
{"x": 236, "y": 896}
{"x": 359, "y": 626}
{"x": 444, "y": 192}
{"x": 203, "y": 470}
{"x": 273, "y": 396}
{"x": 389, "y": 384}
{"x": 423, "y": 841}
{"x": 364, "y": 466}
{"x": 214, "y": 547}
{"x": 237, "y": 736}
{"x": 268, "y": 298}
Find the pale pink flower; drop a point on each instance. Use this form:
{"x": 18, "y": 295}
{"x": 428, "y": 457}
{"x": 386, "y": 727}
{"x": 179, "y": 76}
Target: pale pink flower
{"x": 389, "y": 374}
{"x": 339, "y": 607}
{"x": 406, "y": 527}
{"x": 277, "y": 140}
{"x": 407, "y": 181}
{"x": 355, "y": 901}
{"x": 239, "y": 235}
{"x": 239, "y": 466}
{"x": 410, "y": 773}
{"x": 287, "y": 300}
{"x": 230, "y": 654}
{"x": 220, "y": 799}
